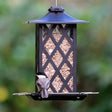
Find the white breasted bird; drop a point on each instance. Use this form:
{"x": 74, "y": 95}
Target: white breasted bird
{"x": 42, "y": 84}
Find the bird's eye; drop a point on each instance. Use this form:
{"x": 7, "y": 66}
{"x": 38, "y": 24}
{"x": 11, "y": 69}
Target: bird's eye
{"x": 39, "y": 84}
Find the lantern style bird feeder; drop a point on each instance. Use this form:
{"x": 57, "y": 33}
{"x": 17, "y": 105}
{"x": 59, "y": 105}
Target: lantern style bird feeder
{"x": 56, "y": 55}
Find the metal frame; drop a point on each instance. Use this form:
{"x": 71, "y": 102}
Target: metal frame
{"x": 36, "y": 52}
{"x": 75, "y": 55}
{"x": 72, "y": 29}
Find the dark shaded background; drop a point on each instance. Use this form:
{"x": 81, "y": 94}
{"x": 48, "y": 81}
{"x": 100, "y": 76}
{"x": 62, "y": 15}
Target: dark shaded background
{"x": 17, "y": 55}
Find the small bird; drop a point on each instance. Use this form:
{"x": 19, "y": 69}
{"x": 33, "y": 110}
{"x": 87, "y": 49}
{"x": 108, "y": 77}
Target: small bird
{"x": 42, "y": 84}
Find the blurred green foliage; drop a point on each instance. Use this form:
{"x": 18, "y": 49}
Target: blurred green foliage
{"x": 17, "y": 56}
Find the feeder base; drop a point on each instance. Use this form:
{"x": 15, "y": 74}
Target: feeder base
{"x": 60, "y": 96}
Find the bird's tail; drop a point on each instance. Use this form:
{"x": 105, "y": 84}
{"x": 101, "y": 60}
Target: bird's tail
{"x": 44, "y": 93}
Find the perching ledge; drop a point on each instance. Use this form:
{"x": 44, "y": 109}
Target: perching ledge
{"x": 59, "y": 96}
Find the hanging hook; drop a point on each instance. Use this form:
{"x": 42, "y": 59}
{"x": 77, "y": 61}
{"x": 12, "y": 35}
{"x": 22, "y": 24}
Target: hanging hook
{"x": 56, "y": 3}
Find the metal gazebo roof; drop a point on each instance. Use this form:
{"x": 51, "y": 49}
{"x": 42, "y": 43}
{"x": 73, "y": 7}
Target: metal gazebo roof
{"x": 56, "y": 15}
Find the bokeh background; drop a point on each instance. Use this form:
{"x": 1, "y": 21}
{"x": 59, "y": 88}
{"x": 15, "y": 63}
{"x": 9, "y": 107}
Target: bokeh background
{"x": 17, "y": 45}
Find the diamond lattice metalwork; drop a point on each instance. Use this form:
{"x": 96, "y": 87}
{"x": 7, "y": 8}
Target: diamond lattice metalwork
{"x": 44, "y": 58}
{"x": 70, "y": 83}
{"x": 65, "y": 71}
{"x": 57, "y": 36}
{"x": 43, "y": 38}
{"x": 70, "y": 58}
{"x": 50, "y": 90}
{"x": 44, "y": 32}
{"x": 65, "y": 46}
{"x": 57, "y": 51}
{"x": 56, "y": 29}
{"x": 65, "y": 90}
{"x": 57, "y": 83}
{"x": 49, "y": 46}
{"x": 49, "y": 71}
{"x": 57, "y": 58}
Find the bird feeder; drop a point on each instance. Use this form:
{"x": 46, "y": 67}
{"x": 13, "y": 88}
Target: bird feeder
{"x": 56, "y": 55}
